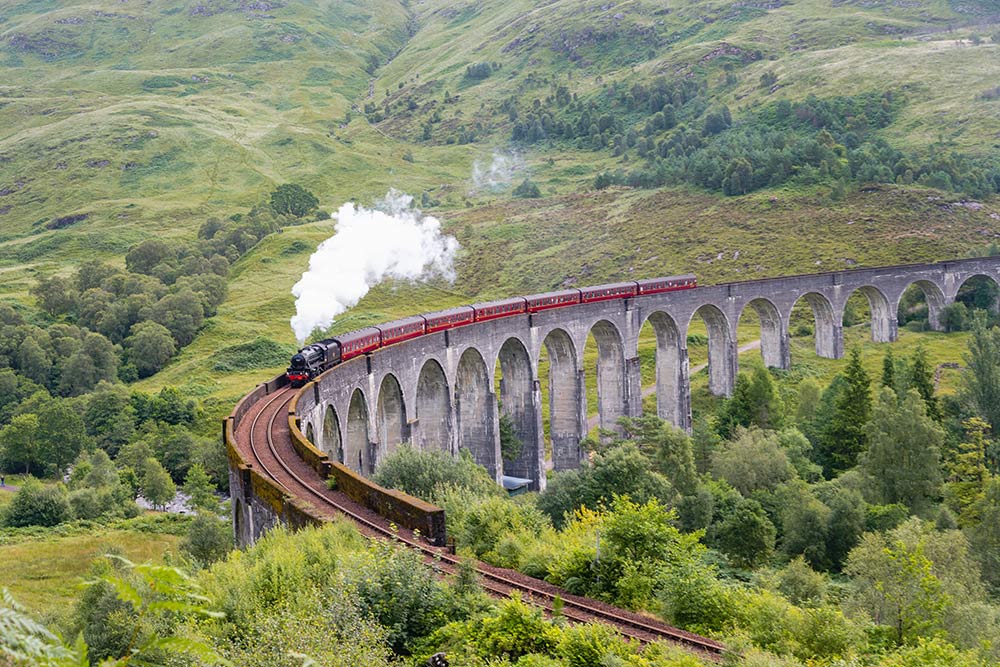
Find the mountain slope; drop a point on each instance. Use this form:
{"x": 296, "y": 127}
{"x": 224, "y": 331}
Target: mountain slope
{"x": 125, "y": 119}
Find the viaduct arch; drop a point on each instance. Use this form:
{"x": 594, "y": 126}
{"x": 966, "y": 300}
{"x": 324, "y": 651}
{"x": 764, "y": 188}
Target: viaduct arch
{"x": 438, "y": 391}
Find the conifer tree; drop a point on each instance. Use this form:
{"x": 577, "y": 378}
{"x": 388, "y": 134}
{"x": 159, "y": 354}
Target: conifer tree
{"x": 844, "y": 437}
{"x": 889, "y": 370}
{"x": 922, "y": 379}
{"x": 737, "y": 410}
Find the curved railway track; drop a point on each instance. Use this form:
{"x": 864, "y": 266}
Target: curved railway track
{"x": 271, "y": 450}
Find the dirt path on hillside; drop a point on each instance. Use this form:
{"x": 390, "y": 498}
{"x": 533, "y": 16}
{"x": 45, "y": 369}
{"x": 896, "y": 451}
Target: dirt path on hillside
{"x": 593, "y": 421}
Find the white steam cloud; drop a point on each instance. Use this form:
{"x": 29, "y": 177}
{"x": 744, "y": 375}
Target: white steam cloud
{"x": 391, "y": 241}
{"x": 500, "y": 173}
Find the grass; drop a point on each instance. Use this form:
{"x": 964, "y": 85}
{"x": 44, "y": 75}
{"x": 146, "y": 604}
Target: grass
{"x": 44, "y": 573}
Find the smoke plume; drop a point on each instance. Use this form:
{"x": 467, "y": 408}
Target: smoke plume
{"x": 392, "y": 240}
{"x": 499, "y": 175}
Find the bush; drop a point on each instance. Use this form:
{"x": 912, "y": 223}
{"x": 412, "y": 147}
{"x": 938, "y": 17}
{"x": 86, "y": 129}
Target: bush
{"x": 292, "y": 199}
{"x": 209, "y": 538}
{"x": 592, "y": 644}
{"x": 392, "y": 586}
{"x": 37, "y": 504}
{"x": 955, "y": 317}
{"x": 423, "y": 474}
{"x": 89, "y": 503}
{"x": 527, "y": 190}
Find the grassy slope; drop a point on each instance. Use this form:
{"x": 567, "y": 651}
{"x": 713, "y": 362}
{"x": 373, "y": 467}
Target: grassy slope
{"x": 45, "y": 574}
{"x": 259, "y": 98}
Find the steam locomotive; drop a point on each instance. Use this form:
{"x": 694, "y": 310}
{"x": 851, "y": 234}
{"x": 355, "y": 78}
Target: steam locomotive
{"x": 311, "y": 360}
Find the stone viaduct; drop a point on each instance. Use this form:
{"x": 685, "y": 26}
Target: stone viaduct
{"x": 437, "y": 391}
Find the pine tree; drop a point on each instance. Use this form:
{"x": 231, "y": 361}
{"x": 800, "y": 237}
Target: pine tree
{"x": 766, "y": 406}
{"x": 889, "y": 370}
{"x": 985, "y": 537}
{"x": 844, "y": 437}
{"x": 922, "y": 379}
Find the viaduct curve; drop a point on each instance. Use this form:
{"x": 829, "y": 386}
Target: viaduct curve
{"x": 437, "y": 391}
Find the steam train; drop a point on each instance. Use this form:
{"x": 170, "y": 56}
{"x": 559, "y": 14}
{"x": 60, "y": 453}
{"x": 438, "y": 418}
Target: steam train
{"x": 313, "y": 359}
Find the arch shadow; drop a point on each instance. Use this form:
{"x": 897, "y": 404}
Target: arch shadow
{"x": 390, "y": 416}
{"x": 433, "y": 409}
{"x": 358, "y": 442}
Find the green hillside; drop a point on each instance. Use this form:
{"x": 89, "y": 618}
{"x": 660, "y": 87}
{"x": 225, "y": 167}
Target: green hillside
{"x": 125, "y": 120}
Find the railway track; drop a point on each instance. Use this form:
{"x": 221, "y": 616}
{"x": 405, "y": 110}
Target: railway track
{"x": 271, "y": 449}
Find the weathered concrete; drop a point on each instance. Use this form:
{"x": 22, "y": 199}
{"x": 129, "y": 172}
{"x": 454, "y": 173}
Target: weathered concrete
{"x": 438, "y": 391}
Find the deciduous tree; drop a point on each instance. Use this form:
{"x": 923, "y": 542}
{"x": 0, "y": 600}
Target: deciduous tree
{"x": 902, "y": 463}
{"x": 157, "y": 487}
{"x": 150, "y": 347}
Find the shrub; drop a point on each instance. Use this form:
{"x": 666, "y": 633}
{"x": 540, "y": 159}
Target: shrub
{"x": 37, "y": 504}
{"x": 592, "y": 644}
{"x": 954, "y": 317}
{"x": 392, "y": 586}
{"x": 423, "y": 474}
{"x": 292, "y": 199}
{"x": 527, "y": 190}
{"x": 209, "y": 538}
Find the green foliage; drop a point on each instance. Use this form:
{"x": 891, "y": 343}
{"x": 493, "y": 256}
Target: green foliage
{"x": 209, "y": 538}
{"x": 199, "y": 489}
{"x": 491, "y": 527}
{"x": 425, "y": 473}
{"x": 19, "y": 446}
{"x": 391, "y": 586}
{"x": 921, "y": 378}
{"x": 293, "y": 199}
{"x": 668, "y": 448}
{"x": 801, "y": 584}
{"x": 931, "y": 652}
{"x": 805, "y": 523}
{"x": 913, "y": 579}
{"x": 902, "y": 464}
{"x": 693, "y": 597}
{"x": 981, "y": 381}
{"x": 805, "y": 141}
{"x": 746, "y": 535}
{"x": 985, "y": 536}
{"x": 844, "y": 437}
{"x": 967, "y": 472}
{"x": 954, "y": 317}
{"x": 149, "y": 347}
{"x": 157, "y": 487}
{"x": 527, "y": 190}
{"x": 752, "y": 460}
{"x": 622, "y": 470}
{"x": 478, "y": 71}
{"x": 510, "y": 445}
{"x": 591, "y": 644}
{"x": 37, "y": 504}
